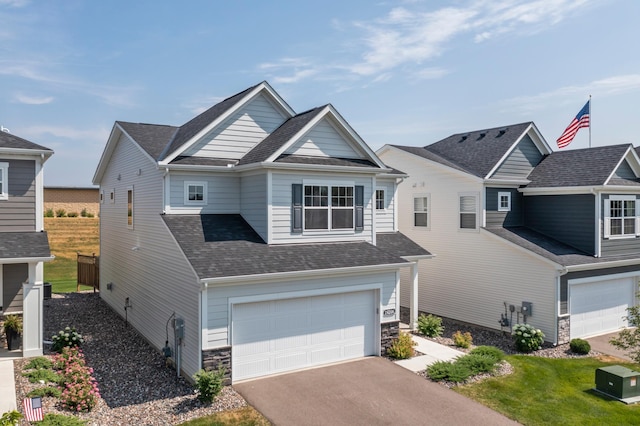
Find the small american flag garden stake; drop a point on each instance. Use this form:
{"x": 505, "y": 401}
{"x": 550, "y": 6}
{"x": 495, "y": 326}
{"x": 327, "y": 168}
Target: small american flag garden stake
{"x": 33, "y": 409}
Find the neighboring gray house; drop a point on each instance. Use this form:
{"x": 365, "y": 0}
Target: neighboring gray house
{"x": 270, "y": 236}
{"x": 23, "y": 243}
{"x": 512, "y": 222}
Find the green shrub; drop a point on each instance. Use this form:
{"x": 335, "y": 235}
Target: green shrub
{"x": 83, "y": 213}
{"x": 580, "y": 346}
{"x": 61, "y": 420}
{"x": 495, "y": 353}
{"x": 527, "y": 338}
{"x": 61, "y": 213}
{"x": 49, "y": 213}
{"x": 35, "y": 376}
{"x": 430, "y": 325}
{"x": 402, "y": 347}
{"x": 477, "y": 364}
{"x": 68, "y": 337}
{"x": 45, "y": 391}
{"x": 39, "y": 363}
{"x": 10, "y": 418}
{"x": 447, "y": 370}
{"x": 72, "y": 214}
{"x": 209, "y": 384}
{"x": 90, "y": 215}
{"x": 462, "y": 340}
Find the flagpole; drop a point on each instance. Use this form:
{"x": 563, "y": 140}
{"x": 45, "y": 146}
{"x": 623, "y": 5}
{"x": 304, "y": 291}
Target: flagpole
{"x": 589, "y": 121}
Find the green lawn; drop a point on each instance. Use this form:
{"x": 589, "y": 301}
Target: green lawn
{"x": 62, "y": 273}
{"x": 545, "y": 391}
{"x": 246, "y": 416}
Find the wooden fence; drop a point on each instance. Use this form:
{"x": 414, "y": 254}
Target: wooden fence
{"x": 89, "y": 271}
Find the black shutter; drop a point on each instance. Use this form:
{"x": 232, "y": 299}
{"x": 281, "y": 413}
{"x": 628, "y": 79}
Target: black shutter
{"x": 296, "y": 206}
{"x": 359, "y": 199}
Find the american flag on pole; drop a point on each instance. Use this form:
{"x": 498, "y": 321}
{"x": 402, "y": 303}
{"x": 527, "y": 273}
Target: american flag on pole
{"x": 33, "y": 409}
{"x": 581, "y": 120}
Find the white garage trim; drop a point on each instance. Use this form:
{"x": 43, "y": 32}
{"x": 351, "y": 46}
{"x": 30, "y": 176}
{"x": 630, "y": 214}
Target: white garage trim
{"x": 598, "y": 305}
{"x": 303, "y": 329}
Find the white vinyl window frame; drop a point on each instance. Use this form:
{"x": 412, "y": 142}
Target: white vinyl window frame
{"x": 4, "y": 181}
{"x": 112, "y": 196}
{"x": 330, "y": 197}
{"x": 421, "y": 211}
{"x": 130, "y": 207}
{"x": 101, "y": 196}
{"x": 504, "y": 201}
{"x": 620, "y": 213}
{"x": 195, "y": 193}
{"x": 468, "y": 214}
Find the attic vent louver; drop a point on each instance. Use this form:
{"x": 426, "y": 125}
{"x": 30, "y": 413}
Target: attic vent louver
{"x": 464, "y": 137}
{"x": 502, "y": 131}
{"x": 482, "y": 135}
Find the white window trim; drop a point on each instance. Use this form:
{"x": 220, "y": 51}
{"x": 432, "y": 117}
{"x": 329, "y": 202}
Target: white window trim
{"x": 329, "y": 184}
{"x": 130, "y": 189}
{"x": 384, "y": 199}
{"x": 188, "y": 202}
{"x": 428, "y": 212}
{"x": 4, "y": 169}
{"x": 112, "y": 196}
{"x": 607, "y": 217}
{"x": 504, "y": 194}
{"x": 102, "y": 196}
{"x": 477, "y": 211}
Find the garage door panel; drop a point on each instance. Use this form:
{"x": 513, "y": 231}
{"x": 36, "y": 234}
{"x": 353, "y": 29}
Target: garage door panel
{"x": 600, "y": 307}
{"x": 301, "y": 332}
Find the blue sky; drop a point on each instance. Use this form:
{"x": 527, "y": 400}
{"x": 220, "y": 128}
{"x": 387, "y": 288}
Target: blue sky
{"x": 406, "y": 72}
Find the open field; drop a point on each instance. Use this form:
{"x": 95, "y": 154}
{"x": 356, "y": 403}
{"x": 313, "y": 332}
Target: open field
{"x": 67, "y": 237}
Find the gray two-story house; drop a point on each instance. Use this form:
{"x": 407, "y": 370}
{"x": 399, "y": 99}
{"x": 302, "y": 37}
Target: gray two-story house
{"x": 523, "y": 233}
{"x": 252, "y": 237}
{"x": 24, "y": 246}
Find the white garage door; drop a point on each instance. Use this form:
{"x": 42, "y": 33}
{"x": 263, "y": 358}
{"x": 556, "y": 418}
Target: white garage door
{"x": 600, "y": 307}
{"x": 282, "y": 335}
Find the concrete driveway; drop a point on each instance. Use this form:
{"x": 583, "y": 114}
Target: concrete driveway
{"x": 601, "y": 344}
{"x": 370, "y": 391}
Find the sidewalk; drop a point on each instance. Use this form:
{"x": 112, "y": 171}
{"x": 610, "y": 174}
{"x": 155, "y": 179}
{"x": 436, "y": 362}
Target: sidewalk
{"x": 7, "y": 386}
{"x": 432, "y": 352}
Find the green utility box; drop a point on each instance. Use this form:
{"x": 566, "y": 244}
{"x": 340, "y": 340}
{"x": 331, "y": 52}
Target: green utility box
{"x": 618, "y": 381}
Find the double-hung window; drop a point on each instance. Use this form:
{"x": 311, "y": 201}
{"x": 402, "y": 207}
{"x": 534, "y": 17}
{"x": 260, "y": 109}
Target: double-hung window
{"x": 621, "y": 217}
{"x": 380, "y": 202}
{"x": 130, "y": 207}
{"x": 318, "y": 207}
{"x": 4, "y": 181}
{"x": 468, "y": 211}
{"x": 504, "y": 201}
{"x": 421, "y": 211}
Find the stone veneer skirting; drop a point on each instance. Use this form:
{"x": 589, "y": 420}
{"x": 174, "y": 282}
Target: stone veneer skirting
{"x": 564, "y": 324}
{"x": 389, "y": 331}
{"x": 212, "y": 359}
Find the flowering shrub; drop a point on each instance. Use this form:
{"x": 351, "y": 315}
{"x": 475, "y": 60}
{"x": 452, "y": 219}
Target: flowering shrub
{"x": 79, "y": 389}
{"x": 65, "y": 338}
{"x": 527, "y": 338}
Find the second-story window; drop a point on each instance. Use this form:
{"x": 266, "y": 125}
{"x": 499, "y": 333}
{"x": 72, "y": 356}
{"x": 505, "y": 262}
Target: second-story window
{"x": 4, "y": 181}
{"x": 421, "y": 211}
{"x": 322, "y": 211}
{"x": 130, "y": 207}
{"x": 468, "y": 211}
{"x": 195, "y": 193}
{"x": 504, "y": 201}
{"x": 621, "y": 216}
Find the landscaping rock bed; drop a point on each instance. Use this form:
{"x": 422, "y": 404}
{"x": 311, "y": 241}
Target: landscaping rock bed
{"x": 135, "y": 385}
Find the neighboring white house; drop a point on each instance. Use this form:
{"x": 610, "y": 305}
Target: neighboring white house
{"x": 24, "y": 246}
{"x": 253, "y": 237}
{"x": 522, "y": 233}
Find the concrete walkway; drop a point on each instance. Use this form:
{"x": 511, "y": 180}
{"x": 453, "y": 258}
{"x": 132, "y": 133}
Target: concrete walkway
{"x": 432, "y": 352}
{"x": 7, "y": 386}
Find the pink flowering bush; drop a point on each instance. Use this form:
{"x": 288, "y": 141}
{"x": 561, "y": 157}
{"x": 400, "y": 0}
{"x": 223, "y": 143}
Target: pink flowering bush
{"x": 79, "y": 388}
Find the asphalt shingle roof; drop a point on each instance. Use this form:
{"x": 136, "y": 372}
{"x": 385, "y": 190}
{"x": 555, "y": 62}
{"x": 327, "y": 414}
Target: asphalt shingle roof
{"x": 279, "y": 137}
{"x": 399, "y": 244}
{"x": 552, "y": 249}
{"x": 579, "y": 167}
{"x": 225, "y": 245}
{"x": 18, "y": 245}
{"x": 479, "y": 151}
{"x": 153, "y": 138}
{"x": 325, "y": 161}
{"x": 8, "y": 140}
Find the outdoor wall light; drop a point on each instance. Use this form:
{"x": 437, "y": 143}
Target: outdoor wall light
{"x": 110, "y": 286}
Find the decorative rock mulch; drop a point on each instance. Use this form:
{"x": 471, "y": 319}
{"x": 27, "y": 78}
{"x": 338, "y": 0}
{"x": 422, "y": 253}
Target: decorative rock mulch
{"x": 135, "y": 385}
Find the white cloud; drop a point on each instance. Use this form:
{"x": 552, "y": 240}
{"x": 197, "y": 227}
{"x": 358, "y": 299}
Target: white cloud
{"x": 33, "y": 100}
{"x": 42, "y": 131}
{"x": 14, "y": 3}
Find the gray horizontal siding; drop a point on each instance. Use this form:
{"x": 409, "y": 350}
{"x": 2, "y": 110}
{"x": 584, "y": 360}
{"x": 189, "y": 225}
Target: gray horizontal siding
{"x": 18, "y": 213}
{"x": 566, "y": 218}
{"x": 498, "y": 218}
{"x": 624, "y": 171}
{"x": 13, "y": 276}
{"x": 521, "y": 161}
{"x": 617, "y": 246}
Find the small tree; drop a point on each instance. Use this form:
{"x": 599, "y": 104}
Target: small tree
{"x": 629, "y": 339}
